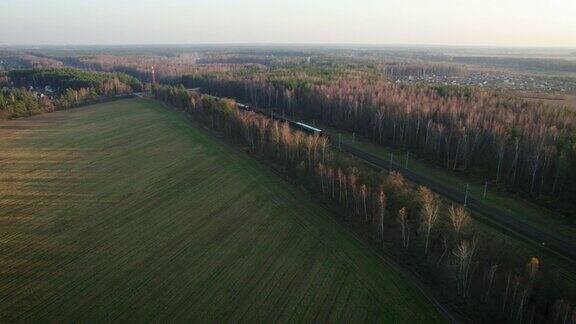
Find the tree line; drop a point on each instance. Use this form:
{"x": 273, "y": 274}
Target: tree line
{"x": 139, "y": 66}
{"x": 523, "y": 146}
{"x": 70, "y": 78}
{"x": 21, "y": 103}
{"x": 73, "y": 88}
{"x": 487, "y": 278}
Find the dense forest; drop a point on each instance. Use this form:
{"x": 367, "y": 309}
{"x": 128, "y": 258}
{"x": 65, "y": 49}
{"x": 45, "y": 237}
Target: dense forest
{"x": 523, "y": 146}
{"x": 139, "y": 66}
{"x": 39, "y": 61}
{"x": 69, "y": 78}
{"x": 486, "y": 278}
{"x": 71, "y": 87}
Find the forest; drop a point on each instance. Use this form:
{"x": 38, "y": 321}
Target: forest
{"x": 70, "y": 78}
{"x": 436, "y": 239}
{"x": 523, "y": 146}
{"x": 72, "y": 87}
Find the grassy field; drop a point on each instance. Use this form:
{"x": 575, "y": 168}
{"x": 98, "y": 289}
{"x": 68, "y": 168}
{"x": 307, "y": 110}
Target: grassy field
{"x": 122, "y": 211}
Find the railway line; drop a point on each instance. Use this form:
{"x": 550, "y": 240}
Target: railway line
{"x": 501, "y": 217}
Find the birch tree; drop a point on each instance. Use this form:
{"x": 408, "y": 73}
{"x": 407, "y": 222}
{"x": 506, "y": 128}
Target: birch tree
{"x": 430, "y": 207}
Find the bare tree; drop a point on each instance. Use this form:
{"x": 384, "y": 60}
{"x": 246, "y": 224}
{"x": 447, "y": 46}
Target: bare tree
{"x": 522, "y": 303}
{"x": 532, "y": 268}
{"x": 516, "y": 285}
{"x": 382, "y": 207}
{"x": 563, "y": 313}
{"x": 464, "y": 255}
{"x": 490, "y": 279}
{"x": 320, "y": 171}
{"x": 507, "y": 290}
{"x": 459, "y": 218}
{"x": 341, "y": 177}
{"x": 430, "y": 206}
{"x": 445, "y": 238}
{"x": 364, "y": 194}
{"x": 330, "y": 180}
{"x": 404, "y": 227}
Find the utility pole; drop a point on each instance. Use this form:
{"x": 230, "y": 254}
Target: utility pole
{"x": 466, "y": 197}
{"x": 485, "y": 190}
{"x": 353, "y": 138}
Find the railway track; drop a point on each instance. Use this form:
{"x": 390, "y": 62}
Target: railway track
{"x": 503, "y": 218}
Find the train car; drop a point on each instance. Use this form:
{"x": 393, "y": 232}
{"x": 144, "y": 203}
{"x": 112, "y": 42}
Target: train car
{"x": 308, "y": 128}
{"x": 298, "y": 125}
{"x": 242, "y": 106}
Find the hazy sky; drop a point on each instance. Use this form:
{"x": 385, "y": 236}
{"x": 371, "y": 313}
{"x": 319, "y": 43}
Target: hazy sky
{"x": 430, "y": 22}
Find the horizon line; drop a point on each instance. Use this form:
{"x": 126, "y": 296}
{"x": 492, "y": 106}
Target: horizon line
{"x": 287, "y": 44}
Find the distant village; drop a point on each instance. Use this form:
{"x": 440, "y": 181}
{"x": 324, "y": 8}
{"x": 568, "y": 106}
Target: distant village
{"x": 497, "y": 80}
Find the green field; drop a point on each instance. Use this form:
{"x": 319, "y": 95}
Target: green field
{"x": 123, "y": 211}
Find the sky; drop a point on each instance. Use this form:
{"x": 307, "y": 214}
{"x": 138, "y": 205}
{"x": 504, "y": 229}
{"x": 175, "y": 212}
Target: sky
{"x": 524, "y": 23}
